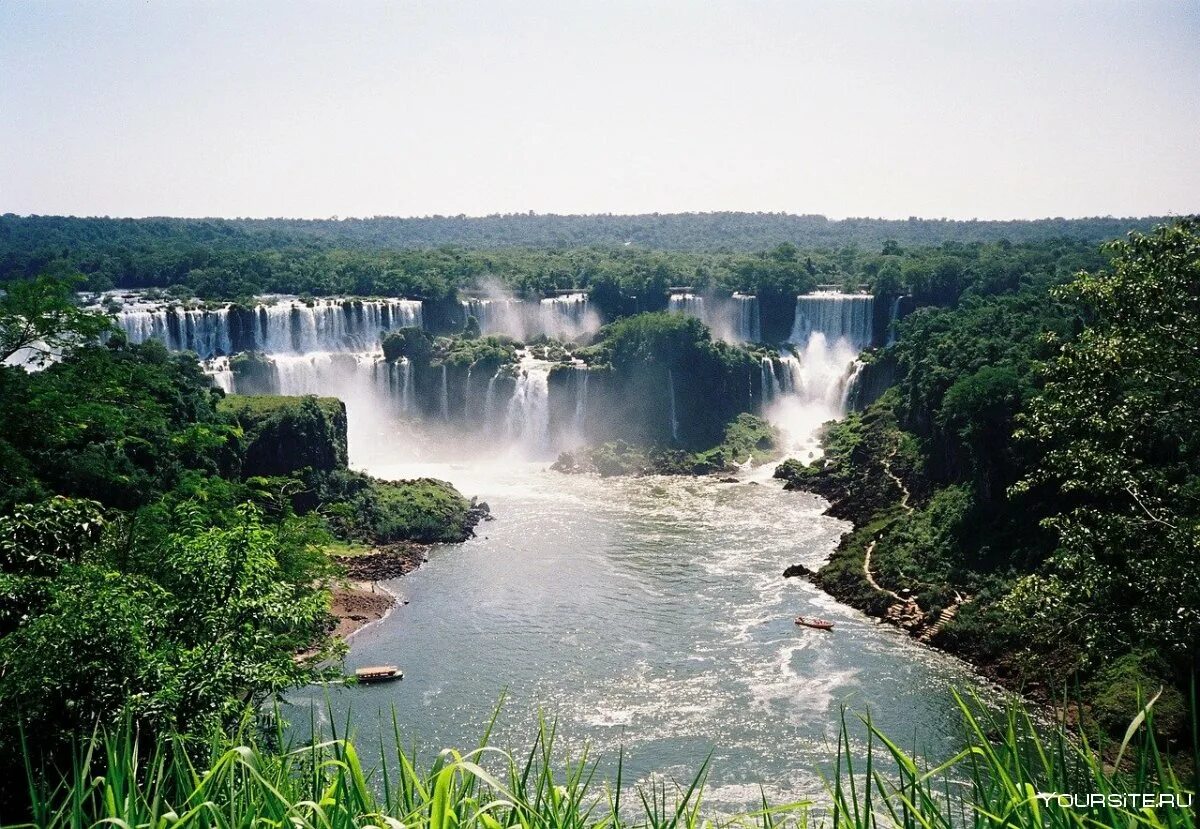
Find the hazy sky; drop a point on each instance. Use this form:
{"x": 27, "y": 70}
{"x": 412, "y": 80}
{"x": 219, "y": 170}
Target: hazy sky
{"x": 885, "y": 108}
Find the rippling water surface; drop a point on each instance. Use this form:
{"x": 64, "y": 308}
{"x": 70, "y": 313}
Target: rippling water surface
{"x": 648, "y": 614}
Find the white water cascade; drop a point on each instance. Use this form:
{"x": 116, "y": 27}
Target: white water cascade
{"x": 205, "y": 332}
{"x": 836, "y": 315}
{"x": 333, "y": 325}
{"x": 527, "y": 420}
{"x": 734, "y": 319}
{"x": 277, "y": 325}
{"x": 810, "y": 385}
{"x": 747, "y": 324}
{"x": 565, "y": 317}
{"x": 689, "y": 304}
{"x": 568, "y": 317}
{"x": 581, "y": 400}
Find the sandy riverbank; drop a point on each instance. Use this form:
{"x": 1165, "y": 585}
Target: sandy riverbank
{"x": 362, "y": 600}
{"x": 358, "y": 604}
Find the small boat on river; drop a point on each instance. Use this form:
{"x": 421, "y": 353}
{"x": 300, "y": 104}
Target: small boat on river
{"x": 378, "y": 673}
{"x": 813, "y": 622}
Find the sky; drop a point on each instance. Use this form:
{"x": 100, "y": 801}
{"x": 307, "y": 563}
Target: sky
{"x": 936, "y": 108}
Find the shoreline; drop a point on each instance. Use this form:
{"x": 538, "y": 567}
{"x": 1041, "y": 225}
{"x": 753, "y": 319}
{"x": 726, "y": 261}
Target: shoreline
{"x": 362, "y": 600}
{"x": 892, "y": 609}
{"x": 359, "y": 604}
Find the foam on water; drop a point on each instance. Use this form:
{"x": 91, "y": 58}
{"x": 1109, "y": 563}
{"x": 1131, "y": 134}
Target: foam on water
{"x": 649, "y": 614}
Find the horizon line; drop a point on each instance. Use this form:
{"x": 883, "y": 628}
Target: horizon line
{"x": 552, "y": 215}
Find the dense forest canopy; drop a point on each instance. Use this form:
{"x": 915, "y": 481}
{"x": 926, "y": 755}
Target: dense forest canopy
{"x": 707, "y": 232}
{"x": 224, "y": 260}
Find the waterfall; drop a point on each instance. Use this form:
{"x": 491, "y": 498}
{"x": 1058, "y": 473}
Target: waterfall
{"x": 445, "y": 401}
{"x": 489, "y": 405}
{"x": 770, "y": 383}
{"x": 528, "y": 417}
{"x": 689, "y": 304}
{"x": 371, "y": 388}
{"x": 735, "y": 319}
{"x": 674, "y": 414}
{"x": 467, "y": 397}
{"x": 407, "y": 393}
{"x": 816, "y": 374}
{"x": 847, "y": 385}
{"x": 497, "y": 316}
{"x": 203, "y": 331}
{"x": 394, "y": 380}
{"x": 747, "y": 327}
{"x": 218, "y": 369}
{"x": 836, "y": 316}
{"x": 565, "y": 317}
{"x": 282, "y": 326}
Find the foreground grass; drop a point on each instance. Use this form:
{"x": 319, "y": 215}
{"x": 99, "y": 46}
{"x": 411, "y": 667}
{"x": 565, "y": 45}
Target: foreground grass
{"x": 994, "y": 781}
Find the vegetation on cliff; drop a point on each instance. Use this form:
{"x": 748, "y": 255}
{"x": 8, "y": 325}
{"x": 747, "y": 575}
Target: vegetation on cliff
{"x": 669, "y": 383}
{"x": 1034, "y": 473}
{"x": 282, "y": 435}
{"x": 297, "y": 447}
{"x": 748, "y": 439}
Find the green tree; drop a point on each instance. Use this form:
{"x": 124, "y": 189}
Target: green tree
{"x": 42, "y": 318}
{"x": 412, "y": 343}
{"x": 1119, "y": 423}
{"x": 183, "y": 636}
{"x": 471, "y": 329}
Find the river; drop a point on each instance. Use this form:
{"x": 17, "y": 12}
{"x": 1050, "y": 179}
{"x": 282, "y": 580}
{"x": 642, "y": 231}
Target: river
{"x": 643, "y": 614}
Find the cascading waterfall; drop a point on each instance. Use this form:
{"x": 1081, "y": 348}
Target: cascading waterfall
{"x": 206, "y": 332}
{"x": 331, "y": 347}
{"x": 835, "y": 315}
{"x": 282, "y": 326}
{"x": 565, "y": 317}
{"x": 497, "y": 316}
{"x": 770, "y": 383}
{"x": 467, "y": 396}
{"x": 489, "y": 405}
{"x": 528, "y": 416}
{"x": 689, "y": 304}
{"x": 407, "y": 385}
{"x": 747, "y": 325}
{"x": 221, "y": 374}
{"x": 735, "y": 319}
{"x": 829, "y": 331}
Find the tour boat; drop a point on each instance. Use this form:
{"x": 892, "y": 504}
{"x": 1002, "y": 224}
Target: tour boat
{"x": 378, "y": 673}
{"x": 819, "y": 624}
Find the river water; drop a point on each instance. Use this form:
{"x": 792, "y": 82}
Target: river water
{"x": 643, "y": 614}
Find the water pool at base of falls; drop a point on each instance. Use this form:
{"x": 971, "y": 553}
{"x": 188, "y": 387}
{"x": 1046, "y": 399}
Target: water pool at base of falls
{"x": 644, "y": 615}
